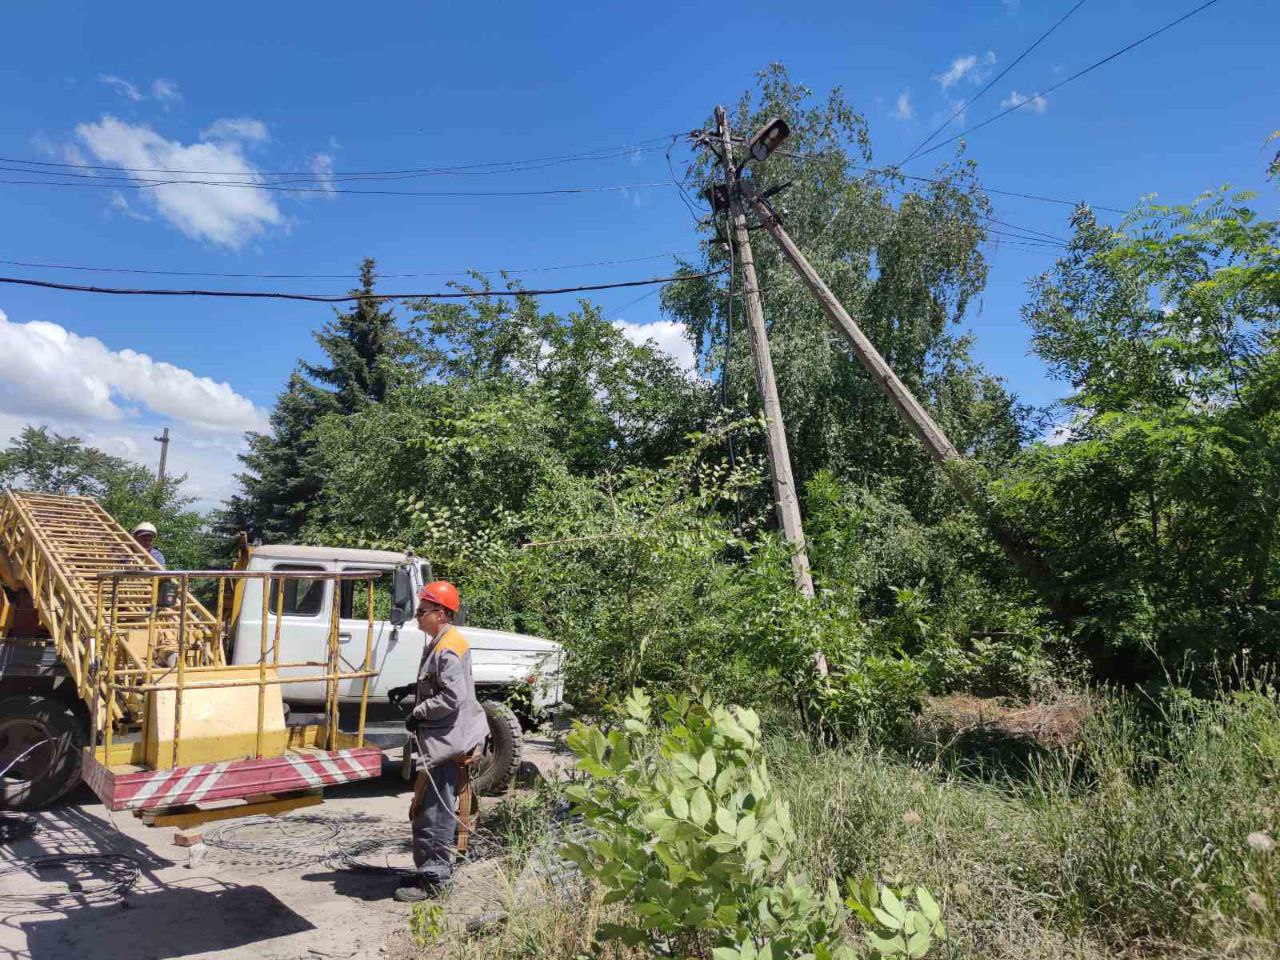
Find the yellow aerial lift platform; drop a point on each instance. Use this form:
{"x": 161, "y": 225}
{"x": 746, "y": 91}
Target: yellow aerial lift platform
{"x": 111, "y": 668}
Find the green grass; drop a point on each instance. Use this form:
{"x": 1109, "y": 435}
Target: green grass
{"x": 1135, "y": 842}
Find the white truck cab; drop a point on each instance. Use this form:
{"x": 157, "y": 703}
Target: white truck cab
{"x": 513, "y": 672}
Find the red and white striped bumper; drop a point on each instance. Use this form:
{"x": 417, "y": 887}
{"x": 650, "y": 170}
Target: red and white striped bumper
{"x": 229, "y": 779}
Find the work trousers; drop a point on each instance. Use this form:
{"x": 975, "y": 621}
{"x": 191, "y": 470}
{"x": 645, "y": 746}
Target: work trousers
{"x": 435, "y": 828}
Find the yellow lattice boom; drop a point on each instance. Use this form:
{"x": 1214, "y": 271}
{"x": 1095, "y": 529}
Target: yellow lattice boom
{"x": 54, "y": 548}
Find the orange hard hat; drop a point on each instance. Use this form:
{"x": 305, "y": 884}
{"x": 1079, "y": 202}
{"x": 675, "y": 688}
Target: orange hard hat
{"x": 442, "y": 592}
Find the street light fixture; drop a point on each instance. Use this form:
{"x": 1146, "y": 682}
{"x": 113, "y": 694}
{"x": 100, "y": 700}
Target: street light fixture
{"x": 768, "y": 138}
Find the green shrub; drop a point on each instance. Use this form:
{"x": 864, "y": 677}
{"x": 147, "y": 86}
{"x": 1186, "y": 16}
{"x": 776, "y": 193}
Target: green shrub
{"x": 692, "y": 835}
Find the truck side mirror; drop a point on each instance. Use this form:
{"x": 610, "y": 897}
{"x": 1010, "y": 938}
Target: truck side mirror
{"x": 403, "y": 601}
{"x": 460, "y": 618}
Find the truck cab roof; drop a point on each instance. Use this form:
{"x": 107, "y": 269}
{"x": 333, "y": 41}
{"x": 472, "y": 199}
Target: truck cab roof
{"x": 289, "y": 551}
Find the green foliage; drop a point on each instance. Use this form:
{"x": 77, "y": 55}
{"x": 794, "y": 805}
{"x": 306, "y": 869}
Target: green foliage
{"x": 906, "y": 268}
{"x": 48, "y": 462}
{"x": 897, "y": 928}
{"x": 692, "y": 835}
{"x": 426, "y": 923}
{"x": 281, "y": 478}
{"x": 1137, "y": 833}
{"x": 1160, "y": 512}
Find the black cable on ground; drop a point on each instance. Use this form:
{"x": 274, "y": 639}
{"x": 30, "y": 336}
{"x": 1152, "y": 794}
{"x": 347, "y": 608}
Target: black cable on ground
{"x": 116, "y": 872}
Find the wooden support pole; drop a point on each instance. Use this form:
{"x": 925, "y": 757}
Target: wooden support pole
{"x": 916, "y": 417}
{"x": 784, "y": 486}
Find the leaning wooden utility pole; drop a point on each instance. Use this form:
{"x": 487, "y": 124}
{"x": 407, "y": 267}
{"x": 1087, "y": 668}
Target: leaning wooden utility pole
{"x": 163, "y": 440}
{"x": 784, "y": 485}
{"x": 939, "y": 447}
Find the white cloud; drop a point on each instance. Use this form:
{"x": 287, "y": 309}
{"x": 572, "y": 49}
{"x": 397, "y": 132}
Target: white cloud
{"x": 166, "y": 91}
{"x": 665, "y": 335}
{"x": 903, "y": 110}
{"x": 50, "y": 370}
{"x": 972, "y": 68}
{"x": 118, "y": 400}
{"x": 227, "y": 216}
{"x": 163, "y": 91}
{"x": 122, "y": 87}
{"x": 1037, "y": 103}
{"x": 121, "y": 205}
{"x": 236, "y": 130}
{"x": 322, "y": 167}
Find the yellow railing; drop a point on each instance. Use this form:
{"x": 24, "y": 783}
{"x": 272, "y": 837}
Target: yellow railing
{"x": 166, "y": 665}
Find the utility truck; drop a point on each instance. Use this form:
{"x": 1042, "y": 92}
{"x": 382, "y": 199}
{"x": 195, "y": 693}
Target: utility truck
{"x": 517, "y": 677}
{"x": 252, "y": 701}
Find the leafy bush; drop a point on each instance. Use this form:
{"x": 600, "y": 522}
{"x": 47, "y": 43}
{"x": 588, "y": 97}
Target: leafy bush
{"x": 691, "y": 834}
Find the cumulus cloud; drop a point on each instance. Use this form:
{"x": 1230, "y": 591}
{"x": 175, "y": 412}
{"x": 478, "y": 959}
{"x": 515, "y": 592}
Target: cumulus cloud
{"x": 903, "y": 110}
{"x": 971, "y": 68}
{"x": 226, "y": 216}
{"x": 49, "y": 370}
{"x": 1037, "y": 103}
{"x": 665, "y": 335}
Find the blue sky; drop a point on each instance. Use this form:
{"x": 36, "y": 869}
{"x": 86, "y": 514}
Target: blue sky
{"x": 269, "y": 87}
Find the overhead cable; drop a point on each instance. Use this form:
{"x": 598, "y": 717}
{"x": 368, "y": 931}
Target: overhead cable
{"x": 602, "y": 154}
{"x": 337, "y": 276}
{"x": 112, "y": 184}
{"x": 894, "y": 171}
{"x": 965, "y": 105}
{"x": 345, "y": 298}
{"x": 1062, "y": 83}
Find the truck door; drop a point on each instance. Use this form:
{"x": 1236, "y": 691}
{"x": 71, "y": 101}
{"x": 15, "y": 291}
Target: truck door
{"x": 304, "y": 628}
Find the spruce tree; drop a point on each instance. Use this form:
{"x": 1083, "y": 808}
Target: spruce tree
{"x": 364, "y": 350}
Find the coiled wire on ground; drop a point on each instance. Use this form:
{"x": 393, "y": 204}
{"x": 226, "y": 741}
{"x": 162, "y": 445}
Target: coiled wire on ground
{"x": 115, "y": 873}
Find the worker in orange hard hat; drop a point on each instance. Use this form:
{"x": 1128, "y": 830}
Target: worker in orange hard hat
{"x": 449, "y": 724}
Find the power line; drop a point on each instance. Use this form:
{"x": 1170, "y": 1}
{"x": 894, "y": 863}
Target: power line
{"x": 605, "y": 153}
{"x": 335, "y": 276}
{"x": 998, "y": 77}
{"x": 1075, "y": 76}
{"x": 1036, "y": 234}
{"x": 894, "y": 171}
{"x": 148, "y": 185}
{"x": 344, "y": 298}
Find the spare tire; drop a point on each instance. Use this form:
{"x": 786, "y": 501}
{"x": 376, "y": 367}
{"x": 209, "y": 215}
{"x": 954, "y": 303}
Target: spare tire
{"x": 40, "y": 743}
{"x": 500, "y": 756}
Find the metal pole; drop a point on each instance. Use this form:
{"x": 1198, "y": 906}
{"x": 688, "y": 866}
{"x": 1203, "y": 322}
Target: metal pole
{"x": 784, "y": 486}
{"x": 262, "y": 660}
{"x": 182, "y": 667}
{"x": 368, "y": 657}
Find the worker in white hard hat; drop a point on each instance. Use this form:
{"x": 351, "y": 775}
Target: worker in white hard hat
{"x": 145, "y": 534}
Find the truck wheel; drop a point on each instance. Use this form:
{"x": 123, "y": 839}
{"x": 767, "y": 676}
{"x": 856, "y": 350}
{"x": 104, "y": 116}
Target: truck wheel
{"x": 40, "y": 743}
{"x": 501, "y": 757}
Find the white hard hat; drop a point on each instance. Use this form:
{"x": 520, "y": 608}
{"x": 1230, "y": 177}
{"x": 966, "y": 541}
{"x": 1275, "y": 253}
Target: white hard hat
{"x": 145, "y": 528}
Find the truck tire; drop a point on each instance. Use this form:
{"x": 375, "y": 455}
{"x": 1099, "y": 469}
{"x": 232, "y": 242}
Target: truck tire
{"x": 40, "y": 743}
{"x": 501, "y": 750}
